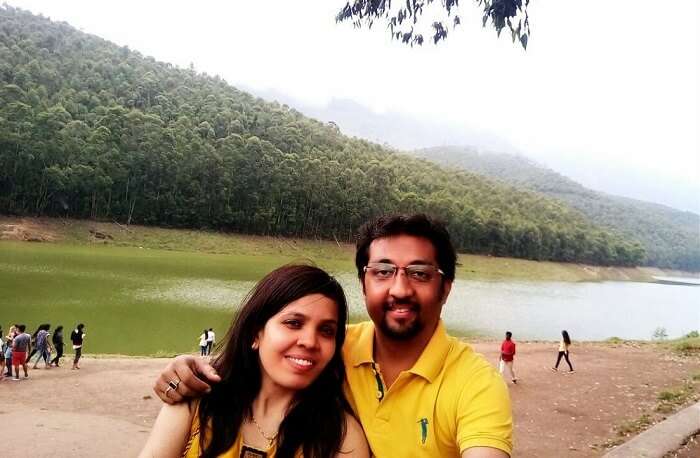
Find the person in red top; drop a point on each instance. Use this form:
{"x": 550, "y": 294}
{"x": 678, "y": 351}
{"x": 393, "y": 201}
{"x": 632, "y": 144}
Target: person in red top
{"x": 507, "y": 354}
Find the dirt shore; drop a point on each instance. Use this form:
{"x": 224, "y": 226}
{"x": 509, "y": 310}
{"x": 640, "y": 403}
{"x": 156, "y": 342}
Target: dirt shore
{"x": 107, "y": 408}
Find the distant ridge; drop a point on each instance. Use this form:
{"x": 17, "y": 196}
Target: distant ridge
{"x": 670, "y": 237}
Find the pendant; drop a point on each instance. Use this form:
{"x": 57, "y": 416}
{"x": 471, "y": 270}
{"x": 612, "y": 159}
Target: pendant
{"x": 250, "y": 452}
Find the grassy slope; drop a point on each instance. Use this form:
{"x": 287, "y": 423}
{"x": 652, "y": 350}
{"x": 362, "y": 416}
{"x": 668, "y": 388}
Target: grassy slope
{"x": 335, "y": 256}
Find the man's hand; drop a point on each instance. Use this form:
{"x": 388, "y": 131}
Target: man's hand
{"x": 191, "y": 376}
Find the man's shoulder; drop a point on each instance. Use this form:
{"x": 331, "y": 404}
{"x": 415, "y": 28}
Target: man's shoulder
{"x": 463, "y": 361}
{"x": 23, "y": 338}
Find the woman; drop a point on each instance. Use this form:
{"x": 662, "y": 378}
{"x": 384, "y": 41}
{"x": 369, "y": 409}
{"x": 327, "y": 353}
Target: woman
{"x": 34, "y": 348}
{"x": 282, "y": 374}
{"x": 203, "y": 343}
{"x": 57, "y": 340}
{"x": 43, "y": 346}
{"x": 564, "y": 344}
{"x": 2, "y": 355}
{"x": 8, "y": 349}
{"x": 76, "y": 338}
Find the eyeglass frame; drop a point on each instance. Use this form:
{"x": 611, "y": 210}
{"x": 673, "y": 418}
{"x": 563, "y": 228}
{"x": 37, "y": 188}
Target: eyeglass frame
{"x": 404, "y": 268}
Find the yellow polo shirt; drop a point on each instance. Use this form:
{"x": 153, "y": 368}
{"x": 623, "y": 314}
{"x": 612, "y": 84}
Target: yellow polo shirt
{"x": 450, "y": 400}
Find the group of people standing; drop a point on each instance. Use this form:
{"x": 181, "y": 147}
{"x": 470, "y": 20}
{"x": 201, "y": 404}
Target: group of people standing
{"x": 206, "y": 342}
{"x": 508, "y": 354}
{"x": 18, "y": 348}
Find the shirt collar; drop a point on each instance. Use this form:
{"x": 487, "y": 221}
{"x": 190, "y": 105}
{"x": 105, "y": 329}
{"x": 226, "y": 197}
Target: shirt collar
{"x": 429, "y": 363}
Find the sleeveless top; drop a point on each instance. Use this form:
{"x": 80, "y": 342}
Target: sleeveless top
{"x": 239, "y": 449}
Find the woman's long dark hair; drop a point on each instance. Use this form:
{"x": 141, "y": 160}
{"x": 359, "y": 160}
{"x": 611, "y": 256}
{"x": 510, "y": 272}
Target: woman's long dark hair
{"x": 42, "y": 327}
{"x": 321, "y": 405}
{"x": 565, "y": 336}
{"x": 57, "y": 337}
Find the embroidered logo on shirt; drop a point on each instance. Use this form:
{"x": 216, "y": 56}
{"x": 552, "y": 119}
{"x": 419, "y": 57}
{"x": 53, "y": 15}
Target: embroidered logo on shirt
{"x": 423, "y": 429}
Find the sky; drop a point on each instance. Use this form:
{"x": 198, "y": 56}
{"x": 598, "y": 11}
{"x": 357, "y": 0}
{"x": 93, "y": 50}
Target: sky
{"x": 606, "y": 93}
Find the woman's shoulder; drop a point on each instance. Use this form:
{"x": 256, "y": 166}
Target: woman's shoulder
{"x": 355, "y": 442}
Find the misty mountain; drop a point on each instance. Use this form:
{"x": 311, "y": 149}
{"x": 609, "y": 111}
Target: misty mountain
{"x": 670, "y": 237}
{"x": 406, "y": 132}
{"x": 390, "y": 129}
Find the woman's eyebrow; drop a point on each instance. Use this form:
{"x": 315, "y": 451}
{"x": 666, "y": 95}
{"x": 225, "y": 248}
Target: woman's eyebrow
{"x": 293, "y": 315}
{"x": 300, "y": 315}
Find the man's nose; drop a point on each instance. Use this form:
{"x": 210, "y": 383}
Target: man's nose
{"x": 401, "y": 286}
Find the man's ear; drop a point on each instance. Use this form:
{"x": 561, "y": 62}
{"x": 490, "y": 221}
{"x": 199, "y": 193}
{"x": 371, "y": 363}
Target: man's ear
{"x": 446, "y": 288}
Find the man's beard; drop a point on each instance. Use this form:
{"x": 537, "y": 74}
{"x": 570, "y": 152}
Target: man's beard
{"x": 407, "y": 332}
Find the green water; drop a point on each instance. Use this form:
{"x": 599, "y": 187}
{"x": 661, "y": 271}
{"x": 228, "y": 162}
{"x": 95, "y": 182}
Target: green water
{"x": 133, "y": 301}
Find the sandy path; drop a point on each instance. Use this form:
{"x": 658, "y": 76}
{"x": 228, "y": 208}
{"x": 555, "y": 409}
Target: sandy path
{"x": 107, "y": 407}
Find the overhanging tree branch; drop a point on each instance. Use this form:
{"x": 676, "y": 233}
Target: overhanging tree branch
{"x": 403, "y": 19}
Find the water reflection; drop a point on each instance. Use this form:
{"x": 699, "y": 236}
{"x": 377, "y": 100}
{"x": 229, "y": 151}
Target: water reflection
{"x": 590, "y": 311}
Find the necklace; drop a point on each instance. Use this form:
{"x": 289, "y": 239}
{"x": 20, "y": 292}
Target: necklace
{"x": 269, "y": 438}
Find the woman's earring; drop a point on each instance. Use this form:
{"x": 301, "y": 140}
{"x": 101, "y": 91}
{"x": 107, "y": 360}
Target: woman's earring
{"x": 255, "y": 345}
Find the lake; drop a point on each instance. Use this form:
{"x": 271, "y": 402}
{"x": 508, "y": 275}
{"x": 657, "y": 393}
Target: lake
{"x": 589, "y": 311}
{"x": 144, "y": 302}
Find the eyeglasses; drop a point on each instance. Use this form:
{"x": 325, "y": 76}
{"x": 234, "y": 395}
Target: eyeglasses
{"x": 421, "y": 273}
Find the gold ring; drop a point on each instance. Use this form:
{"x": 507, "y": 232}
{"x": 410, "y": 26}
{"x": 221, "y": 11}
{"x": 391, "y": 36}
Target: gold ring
{"x": 174, "y": 384}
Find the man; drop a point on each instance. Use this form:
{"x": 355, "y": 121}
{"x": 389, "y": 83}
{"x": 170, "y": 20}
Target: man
{"x": 507, "y": 354}
{"x": 20, "y": 348}
{"x": 77, "y": 337}
{"x": 211, "y": 340}
{"x": 416, "y": 390}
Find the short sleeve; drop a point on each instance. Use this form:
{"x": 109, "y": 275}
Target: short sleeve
{"x": 484, "y": 415}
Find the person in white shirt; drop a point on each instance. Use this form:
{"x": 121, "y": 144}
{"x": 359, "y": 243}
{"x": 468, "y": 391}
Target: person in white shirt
{"x": 211, "y": 340}
{"x": 203, "y": 343}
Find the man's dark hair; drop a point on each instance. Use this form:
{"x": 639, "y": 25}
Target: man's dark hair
{"x": 509, "y": 335}
{"x": 418, "y": 225}
{"x": 21, "y": 327}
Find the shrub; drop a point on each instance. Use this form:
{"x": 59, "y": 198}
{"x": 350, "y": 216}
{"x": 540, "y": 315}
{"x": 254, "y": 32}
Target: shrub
{"x": 659, "y": 333}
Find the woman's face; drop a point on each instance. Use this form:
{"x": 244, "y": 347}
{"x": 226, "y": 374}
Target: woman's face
{"x": 297, "y": 343}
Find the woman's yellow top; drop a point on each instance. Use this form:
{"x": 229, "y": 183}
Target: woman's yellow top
{"x": 238, "y": 450}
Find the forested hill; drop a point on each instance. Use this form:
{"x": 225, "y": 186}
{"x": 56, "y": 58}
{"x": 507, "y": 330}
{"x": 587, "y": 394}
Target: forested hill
{"x": 89, "y": 129}
{"x": 671, "y": 237}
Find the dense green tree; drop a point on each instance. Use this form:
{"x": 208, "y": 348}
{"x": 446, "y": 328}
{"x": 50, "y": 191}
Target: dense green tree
{"x": 92, "y": 130}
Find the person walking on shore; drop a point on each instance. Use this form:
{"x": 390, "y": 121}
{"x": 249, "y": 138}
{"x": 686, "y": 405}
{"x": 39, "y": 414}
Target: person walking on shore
{"x": 43, "y": 347}
{"x": 20, "y": 347}
{"x": 2, "y": 355}
{"x": 34, "y": 347}
{"x": 507, "y": 356}
{"x": 564, "y": 345}
{"x": 211, "y": 340}
{"x": 57, "y": 340}
{"x": 203, "y": 343}
{"x": 77, "y": 337}
{"x": 8, "y": 349}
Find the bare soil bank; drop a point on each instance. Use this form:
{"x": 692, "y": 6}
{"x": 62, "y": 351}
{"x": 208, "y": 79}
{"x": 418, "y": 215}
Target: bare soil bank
{"x": 107, "y": 408}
